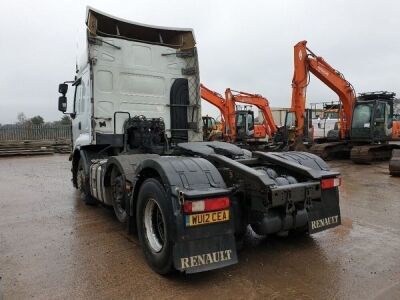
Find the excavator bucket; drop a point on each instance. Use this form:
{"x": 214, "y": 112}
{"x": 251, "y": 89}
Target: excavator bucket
{"x": 394, "y": 165}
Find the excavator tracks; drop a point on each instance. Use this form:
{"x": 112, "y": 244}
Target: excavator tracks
{"x": 366, "y": 154}
{"x": 329, "y": 151}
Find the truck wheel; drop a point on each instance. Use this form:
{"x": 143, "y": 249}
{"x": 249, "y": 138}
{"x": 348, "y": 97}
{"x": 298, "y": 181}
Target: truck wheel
{"x": 154, "y": 227}
{"x": 83, "y": 185}
{"x": 119, "y": 198}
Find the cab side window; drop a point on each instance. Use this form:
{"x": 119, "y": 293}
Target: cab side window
{"x": 84, "y": 97}
{"x": 388, "y": 116}
{"x": 78, "y": 99}
{"x": 250, "y": 122}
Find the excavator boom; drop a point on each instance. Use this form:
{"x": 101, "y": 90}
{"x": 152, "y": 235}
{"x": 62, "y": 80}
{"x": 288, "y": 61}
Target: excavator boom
{"x": 306, "y": 61}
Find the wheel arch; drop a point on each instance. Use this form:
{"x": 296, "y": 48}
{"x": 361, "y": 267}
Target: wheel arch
{"x": 74, "y": 168}
{"x": 177, "y": 174}
{"x": 87, "y": 153}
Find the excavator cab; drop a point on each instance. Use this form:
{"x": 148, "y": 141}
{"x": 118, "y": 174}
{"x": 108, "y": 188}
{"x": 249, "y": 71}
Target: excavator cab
{"x": 244, "y": 124}
{"x": 290, "y": 127}
{"x": 209, "y": 123}
{"x": 289, "y": 135}
{"x": 373, "y": 117}
{"x": 211, "y": 129}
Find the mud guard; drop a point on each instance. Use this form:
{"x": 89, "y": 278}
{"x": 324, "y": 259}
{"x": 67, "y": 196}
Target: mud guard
{"x": 324, "y": 214}
{"x": 204, "y": 247}
{"x": 195, "y": 256}
{"x": 199, "y": 248}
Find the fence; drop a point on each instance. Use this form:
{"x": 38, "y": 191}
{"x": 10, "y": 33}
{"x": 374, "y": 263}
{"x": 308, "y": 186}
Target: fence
{"x": 41, "y": 132}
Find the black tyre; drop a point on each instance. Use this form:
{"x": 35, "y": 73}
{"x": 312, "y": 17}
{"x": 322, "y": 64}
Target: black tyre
{"x": 153, "y": 216}
{"x": 119, "y": 196}
{"x": 83, "y": 184}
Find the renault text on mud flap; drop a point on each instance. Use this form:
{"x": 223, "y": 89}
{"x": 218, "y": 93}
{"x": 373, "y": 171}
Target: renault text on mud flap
{"x": 324, "y": 222}
{"x": 205, "y": 259}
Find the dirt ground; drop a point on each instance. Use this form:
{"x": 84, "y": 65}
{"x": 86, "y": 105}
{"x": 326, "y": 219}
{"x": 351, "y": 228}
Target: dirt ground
{"x": 54, "y": 246}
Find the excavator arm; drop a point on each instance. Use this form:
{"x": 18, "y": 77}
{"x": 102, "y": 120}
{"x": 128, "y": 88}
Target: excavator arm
{"x": 306, "y": 61}
{"x": 260, "y": 102}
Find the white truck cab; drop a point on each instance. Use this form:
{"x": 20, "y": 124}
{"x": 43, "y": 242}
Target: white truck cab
{"x": 129, "y": 69}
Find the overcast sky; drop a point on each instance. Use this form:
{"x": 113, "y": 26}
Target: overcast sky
{"x": 245, "y": 45}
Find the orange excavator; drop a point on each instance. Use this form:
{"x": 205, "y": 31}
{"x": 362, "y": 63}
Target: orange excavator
{"x": 268, "y": 128}
{"x": 305, "y": 61}
{"x": 365, "y": 122}
{"x": 238, "y": 125}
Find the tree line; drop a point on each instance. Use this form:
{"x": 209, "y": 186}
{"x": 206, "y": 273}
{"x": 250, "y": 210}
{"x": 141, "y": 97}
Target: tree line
{"x": 38, "y": 120}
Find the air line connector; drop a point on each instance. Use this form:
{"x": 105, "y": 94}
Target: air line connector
{"x": 181, "y": 197}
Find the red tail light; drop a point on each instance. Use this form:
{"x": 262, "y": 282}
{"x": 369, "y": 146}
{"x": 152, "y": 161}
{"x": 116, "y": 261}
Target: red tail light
{"x": 206, "y": 205}
{"x": 330, "y": 183}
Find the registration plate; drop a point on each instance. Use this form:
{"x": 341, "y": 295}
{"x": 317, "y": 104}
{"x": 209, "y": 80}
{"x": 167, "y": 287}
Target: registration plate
{"x": 207, "y": 218}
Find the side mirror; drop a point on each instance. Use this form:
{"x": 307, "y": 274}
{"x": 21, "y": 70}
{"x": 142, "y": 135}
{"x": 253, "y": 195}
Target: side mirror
{"x": 63, "y": 88}
{"x": 62, "y": 104}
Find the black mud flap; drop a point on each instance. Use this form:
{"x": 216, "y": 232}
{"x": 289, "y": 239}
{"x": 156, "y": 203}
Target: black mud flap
{"x": 325, "y": 213}
{"x": 205, "y": 254}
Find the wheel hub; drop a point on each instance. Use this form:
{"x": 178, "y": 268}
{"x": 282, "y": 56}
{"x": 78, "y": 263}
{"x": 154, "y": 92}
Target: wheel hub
{"x": 118, "y": 194}
{"x": 154, "y": 226}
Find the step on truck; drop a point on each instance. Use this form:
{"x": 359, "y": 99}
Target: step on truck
{"x": 137, "y": 147}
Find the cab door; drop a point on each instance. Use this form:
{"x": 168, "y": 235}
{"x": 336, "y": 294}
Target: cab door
{"x": 382, "y": 122}
{"x": 244, "y": 125}
{"x": 250, "y": 124}
{"x": 81, "y": 125}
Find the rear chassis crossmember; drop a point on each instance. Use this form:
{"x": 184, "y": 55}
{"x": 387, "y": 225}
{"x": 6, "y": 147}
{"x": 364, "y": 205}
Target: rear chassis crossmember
{"x": 275, "y": 208}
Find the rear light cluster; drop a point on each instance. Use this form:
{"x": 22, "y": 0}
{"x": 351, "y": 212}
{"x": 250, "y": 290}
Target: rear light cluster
{"x": 205, "y": 205}
{"x": 330, "y": 183}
